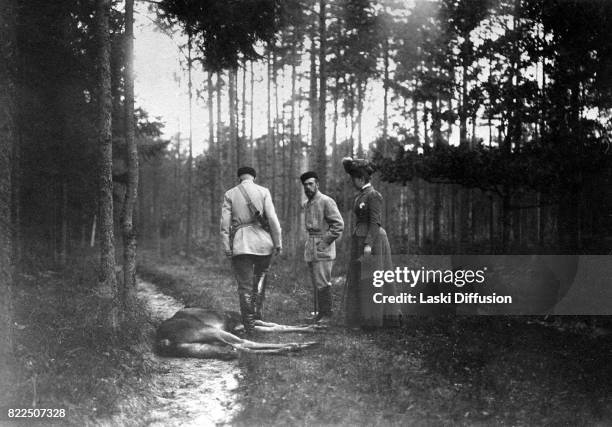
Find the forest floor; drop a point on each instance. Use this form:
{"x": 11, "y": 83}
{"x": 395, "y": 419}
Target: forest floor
{"x": 434, "y": 371}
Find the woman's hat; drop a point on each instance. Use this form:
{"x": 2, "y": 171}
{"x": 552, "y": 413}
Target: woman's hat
{"x": 358, "y": 167}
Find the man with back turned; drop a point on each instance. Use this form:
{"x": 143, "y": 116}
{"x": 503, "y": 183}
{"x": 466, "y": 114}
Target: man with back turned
{"x": 248, "y": 241}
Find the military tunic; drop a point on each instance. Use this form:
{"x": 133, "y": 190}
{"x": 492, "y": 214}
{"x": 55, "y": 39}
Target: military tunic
{"x": 250, "y": 238}
{"x": 324, "y": 224}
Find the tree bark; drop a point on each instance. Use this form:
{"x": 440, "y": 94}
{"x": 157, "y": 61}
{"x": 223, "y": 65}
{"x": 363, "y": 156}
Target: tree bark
{"x": 223, "y": 167}
{"x": 8, "y": 143}
{"x": 234, "y": 146}
{"x": 270, "y": 139}
{"x": 190, "y": 157}
{"x": 131, "y": 192}
{"x": 386, "y": 93}
{"x": 157, "y": 241}
{"x": 292, "y": 204}
{"x": 321, "y": 163}
{"x": 212, "y": 152}
{"x": 251, "y": 110}
{"x": 313, "y": 98}
{"x": 107, "y": 279}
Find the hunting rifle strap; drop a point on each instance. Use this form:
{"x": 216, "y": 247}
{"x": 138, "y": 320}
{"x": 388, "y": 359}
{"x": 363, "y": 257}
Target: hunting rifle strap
{"x": 252, "y": 208}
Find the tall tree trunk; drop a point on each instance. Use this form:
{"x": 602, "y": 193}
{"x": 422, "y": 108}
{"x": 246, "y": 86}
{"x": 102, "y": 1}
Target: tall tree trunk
{"x": 335, "y": 126}
{"x": 190, "y": 157}
{"x": 270, "y": 139}
{"x": 275, "y": 131}
{"x": 425, "y": 124}
{"x": 221, "y": 149}
{"x": 243, "y": 109}
{"x": 8, "y": 144}
{"x": 386, "y": 93}
{"x": 292, "y": 211}
{"x": 280, "y": 131}
{"x": 437, "y": 210}
{"x": 360, "y": 95}
{"x": 212, "y": 152}
{"x": 234, "y": 145}
{"x": 157, "y": 216}
{"x": 417, "y": 212}
{"x": 107, "y": 279}
{"x": 131, "y": 192}
{"x": 321, "y": 165}
{"x": 515, "y": 120}
{"x": 415, "y": 120}
{"x": 313, "y": 98}
{"x": 463, "y": 112}
{"x": 436, "y": 123}
{"x": 251, "y": 110}
{"x": 492, "y": 240}
{"x": 505, "y": 223}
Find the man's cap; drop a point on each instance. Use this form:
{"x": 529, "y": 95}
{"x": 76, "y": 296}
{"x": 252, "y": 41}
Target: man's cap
{"x": 358, "y": 167}
{"x": 247, "y": 170}
{"x": 308, "y": 175}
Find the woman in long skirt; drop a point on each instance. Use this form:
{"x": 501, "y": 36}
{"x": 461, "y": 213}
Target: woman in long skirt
{"x": 370, "y": 251}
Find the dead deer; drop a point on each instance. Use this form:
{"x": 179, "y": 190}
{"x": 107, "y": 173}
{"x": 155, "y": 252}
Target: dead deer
{"x": 208, "y": 334}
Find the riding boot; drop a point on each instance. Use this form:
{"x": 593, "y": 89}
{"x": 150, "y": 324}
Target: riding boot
{"x": 315, "y": 313}
{"x": 246, "y": 310}
{"x": 257, "y": 299}
{"x": 325, "y": 305}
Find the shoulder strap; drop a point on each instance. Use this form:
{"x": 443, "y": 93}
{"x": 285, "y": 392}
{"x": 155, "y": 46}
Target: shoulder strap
{"x": 252, "y": 207}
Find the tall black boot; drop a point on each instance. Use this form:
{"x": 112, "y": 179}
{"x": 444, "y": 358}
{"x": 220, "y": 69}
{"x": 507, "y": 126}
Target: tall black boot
{"x": 246, "y": 310}
{"x": 258, "y": 298}
{"x": 325, "y": 305}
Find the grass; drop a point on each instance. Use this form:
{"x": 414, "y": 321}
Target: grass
{"x": 64, "y": 357}
{"x": 433, "y": 371}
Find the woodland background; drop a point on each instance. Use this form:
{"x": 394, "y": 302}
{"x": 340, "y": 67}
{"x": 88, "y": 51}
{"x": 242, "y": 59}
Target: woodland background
{"x": 494, "y": 136}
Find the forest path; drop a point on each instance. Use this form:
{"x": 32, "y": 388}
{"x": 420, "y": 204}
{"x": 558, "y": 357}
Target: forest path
{"x": 188, "y": 392}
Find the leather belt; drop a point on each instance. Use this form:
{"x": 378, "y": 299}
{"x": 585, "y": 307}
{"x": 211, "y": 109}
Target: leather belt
{"x": 243, "y": 225}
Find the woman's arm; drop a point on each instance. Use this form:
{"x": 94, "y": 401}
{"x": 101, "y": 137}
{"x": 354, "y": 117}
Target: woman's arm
{"x": 374, "y": 217}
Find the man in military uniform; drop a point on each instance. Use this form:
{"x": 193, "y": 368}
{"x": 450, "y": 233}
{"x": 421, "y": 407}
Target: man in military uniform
{"x": 246, "y": 242}
{"x": 324, "y": 225}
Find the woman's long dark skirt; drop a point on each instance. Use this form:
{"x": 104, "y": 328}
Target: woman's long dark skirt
{"x": 360, "y": 309}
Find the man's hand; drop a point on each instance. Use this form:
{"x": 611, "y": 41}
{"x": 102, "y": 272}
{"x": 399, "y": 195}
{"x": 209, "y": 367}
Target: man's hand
{"x": 367, "y": 250}
{"x": 322, "y": 246}
{"x": 278, "y": 250}
{"x": 228, "y": 253}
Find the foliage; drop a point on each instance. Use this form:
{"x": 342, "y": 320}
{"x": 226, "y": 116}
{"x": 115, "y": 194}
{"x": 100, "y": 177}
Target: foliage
{"x": 225, "y": 31}
{"x": 547, "y": 167}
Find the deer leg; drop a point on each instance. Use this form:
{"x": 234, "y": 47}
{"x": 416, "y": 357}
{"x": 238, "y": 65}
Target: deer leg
{"x": 246, "y": 345}
{"x": 286, "y": 348}
{"x": 205, "y": 351}
{"x": 275, "y": 327}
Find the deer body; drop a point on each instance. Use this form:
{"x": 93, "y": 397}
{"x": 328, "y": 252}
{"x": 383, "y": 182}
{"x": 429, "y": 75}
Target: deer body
{"x": 203, "y": 333}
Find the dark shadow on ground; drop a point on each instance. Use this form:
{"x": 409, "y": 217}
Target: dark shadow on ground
{"x": 503, "y": 370}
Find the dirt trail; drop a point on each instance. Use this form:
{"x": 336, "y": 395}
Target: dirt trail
{"x": 192, "y": 392}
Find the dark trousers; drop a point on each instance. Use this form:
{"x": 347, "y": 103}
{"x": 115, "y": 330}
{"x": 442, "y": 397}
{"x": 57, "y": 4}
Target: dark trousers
{"x": 248, "y": 269}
